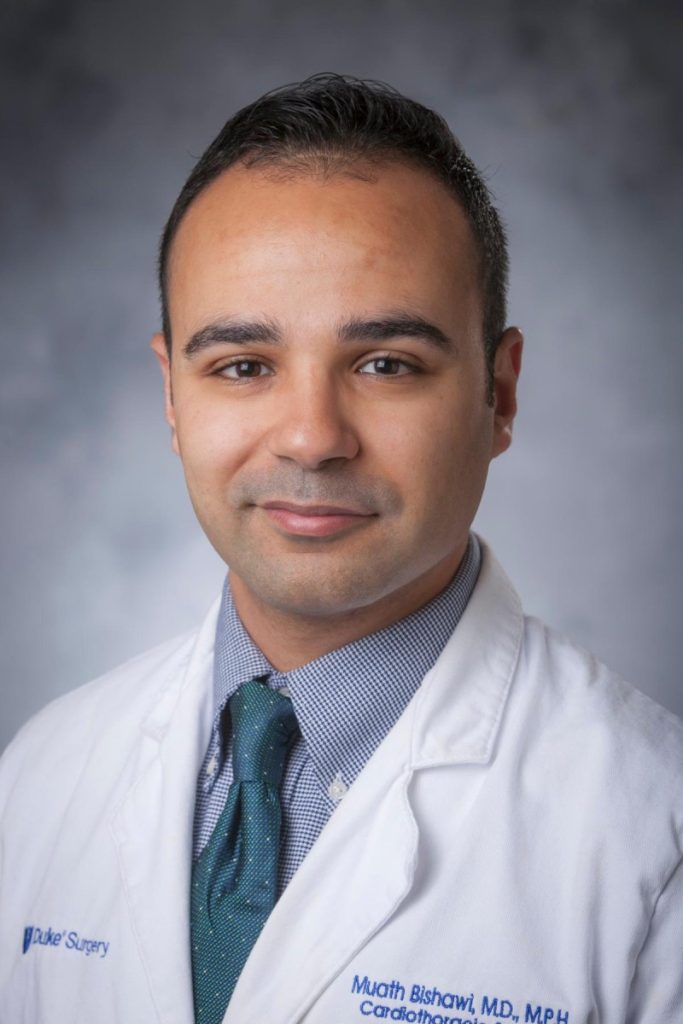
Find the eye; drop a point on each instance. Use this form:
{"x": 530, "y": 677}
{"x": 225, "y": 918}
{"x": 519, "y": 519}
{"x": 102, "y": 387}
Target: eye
{"x": 244, "y": 369}
{"x": 387, "y": 366}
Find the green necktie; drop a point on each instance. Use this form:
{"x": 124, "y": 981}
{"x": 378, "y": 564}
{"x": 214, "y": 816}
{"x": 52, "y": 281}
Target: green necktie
{"x": 234, "y": 881}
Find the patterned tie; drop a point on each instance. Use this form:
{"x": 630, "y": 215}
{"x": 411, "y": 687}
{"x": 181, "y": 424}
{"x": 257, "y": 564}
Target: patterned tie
{"x": 234, "y": 881}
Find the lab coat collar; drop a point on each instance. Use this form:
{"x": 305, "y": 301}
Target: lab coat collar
{"x": 459, "y": 707}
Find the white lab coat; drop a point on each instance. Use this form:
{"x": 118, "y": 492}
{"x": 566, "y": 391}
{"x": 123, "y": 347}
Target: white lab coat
{"x": 512, "y": 851}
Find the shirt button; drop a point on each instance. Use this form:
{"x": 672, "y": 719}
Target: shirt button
{"x": 211, "y": 767}
{"x": 284, "y": 691}
{"x": 337, "y": 788}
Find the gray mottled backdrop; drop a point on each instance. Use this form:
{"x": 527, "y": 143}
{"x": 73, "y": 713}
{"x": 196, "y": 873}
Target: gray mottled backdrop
{"x": 573, "y": 111}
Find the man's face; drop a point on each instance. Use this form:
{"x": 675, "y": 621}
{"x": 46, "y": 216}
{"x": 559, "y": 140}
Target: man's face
{"x": 327, "y": 388}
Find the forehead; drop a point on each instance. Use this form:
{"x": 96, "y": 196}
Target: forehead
{"x": 373, "y": 234}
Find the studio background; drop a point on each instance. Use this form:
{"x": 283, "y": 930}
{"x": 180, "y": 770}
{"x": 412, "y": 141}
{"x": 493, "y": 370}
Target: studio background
{"x": 573, "y": 112}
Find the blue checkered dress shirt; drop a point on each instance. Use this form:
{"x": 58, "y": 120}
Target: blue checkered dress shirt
{"x": 345, "y": 702}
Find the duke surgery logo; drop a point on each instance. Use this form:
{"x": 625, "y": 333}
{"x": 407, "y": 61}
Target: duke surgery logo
{"x": 72, "y": 941}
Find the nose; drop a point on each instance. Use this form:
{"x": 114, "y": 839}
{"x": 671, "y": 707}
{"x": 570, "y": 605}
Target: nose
{"x": 312, "y": 427}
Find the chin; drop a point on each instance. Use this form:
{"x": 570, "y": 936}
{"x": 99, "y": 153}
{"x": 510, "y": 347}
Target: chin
{"x": 314, "y": 592}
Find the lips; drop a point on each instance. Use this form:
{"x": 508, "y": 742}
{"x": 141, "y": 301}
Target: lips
{"x": 313, "y": 520}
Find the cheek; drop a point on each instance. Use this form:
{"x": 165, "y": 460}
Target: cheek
{"x": 444, "y": 457}
{"x": 213, "y": 439}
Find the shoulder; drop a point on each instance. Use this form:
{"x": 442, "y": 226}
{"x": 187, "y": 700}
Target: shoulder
{"x": 584, "y": 690}
{"x": 96, "y": 715}
{"x": 565, "y": 698}
{"x": 612, "y": 750}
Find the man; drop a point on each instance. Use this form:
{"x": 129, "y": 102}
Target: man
{"x": 367, "y": 787}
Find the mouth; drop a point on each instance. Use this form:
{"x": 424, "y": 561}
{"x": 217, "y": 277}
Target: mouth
{"x": 313, "y": 520}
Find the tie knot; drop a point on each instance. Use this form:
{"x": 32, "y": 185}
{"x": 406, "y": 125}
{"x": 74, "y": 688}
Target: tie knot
{"x": 263, "y": 728}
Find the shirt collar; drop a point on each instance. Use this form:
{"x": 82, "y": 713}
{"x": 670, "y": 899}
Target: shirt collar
{"x": 347, "y": 700}
{"x": 236, "y": 660}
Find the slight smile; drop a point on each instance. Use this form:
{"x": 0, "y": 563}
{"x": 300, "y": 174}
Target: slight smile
{"x": 312, "y": 520}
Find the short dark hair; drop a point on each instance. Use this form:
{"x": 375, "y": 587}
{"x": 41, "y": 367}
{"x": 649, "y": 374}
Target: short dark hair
{"x": 335, "y": 120}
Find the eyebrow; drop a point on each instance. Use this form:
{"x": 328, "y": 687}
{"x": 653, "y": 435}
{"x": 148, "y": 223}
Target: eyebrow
{"x": 235, "y": 332}
{"x": 381, "y": 328}
{"x": 392, "y": 325}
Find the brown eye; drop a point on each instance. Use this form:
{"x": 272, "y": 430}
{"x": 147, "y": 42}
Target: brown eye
{"x": 244, "y": 369}
{"x": 386, "y": 366}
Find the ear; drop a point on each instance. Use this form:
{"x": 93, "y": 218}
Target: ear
{"x": 158, "y": 346}
{"x": 508, "y": 363}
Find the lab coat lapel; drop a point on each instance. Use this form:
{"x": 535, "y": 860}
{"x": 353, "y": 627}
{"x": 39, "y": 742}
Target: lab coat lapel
{"x": 153, "y": 829}
{"x": 363, "y": 864}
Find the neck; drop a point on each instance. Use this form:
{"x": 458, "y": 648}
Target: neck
{"x": 290, "y": 640}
